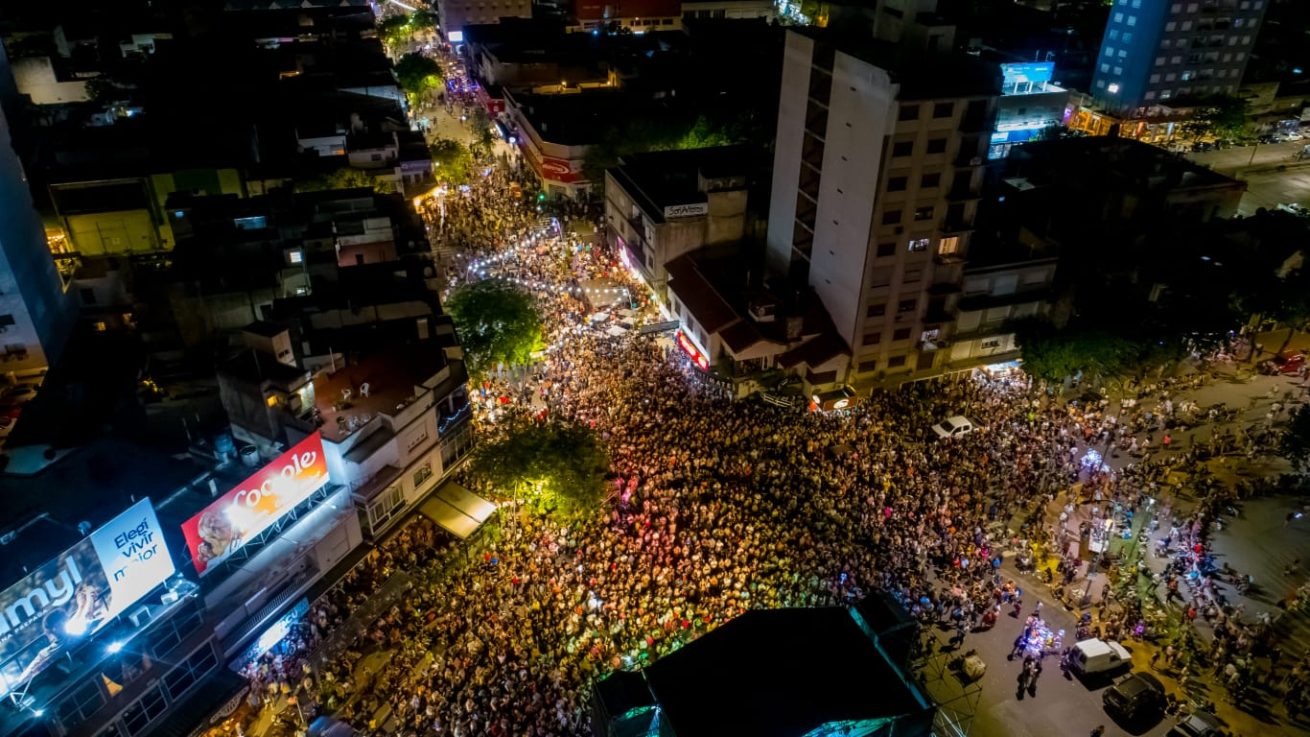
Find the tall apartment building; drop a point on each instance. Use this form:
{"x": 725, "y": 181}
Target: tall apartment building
{"x": 1155, "y": 51}
{"x": 36, "y": 312}
{"x": 877, "y": 171}
{"x": 456, "y": 15}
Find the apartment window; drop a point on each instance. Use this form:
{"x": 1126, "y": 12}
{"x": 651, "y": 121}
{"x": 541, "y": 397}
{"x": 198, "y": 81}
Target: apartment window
{"x": 1170, "y": 77}
{"x": 1176, "y": 8}
{"x": 886, "y": 249}
{"x": 918, "y": 245}
{"x": 422, "y": 473}
{"x": 912, "y": 275}
{"x": 904, "y": 148}
{"x": 1150, "y": 95}
{"x": 877, "y": 310}
{"x": 948, "y": 246}
{"x": 182, "y": 678}
{"x": 1109, "y": 51}
{"x": 1155, "y": 78}
{"x": 1159, "y": 61}
{"x": 936, "y": 145}
{"x": 867, "y": 366}
{"x": 906, "y": 305}
{"x": 1122, "y": 53}
{"x": 891, "y": 217}
{"x": 1118, "y": 17}
{"x": 909, "y": 112}
{"x": 943, "y": 110}
{"x": 1105, "y": 68}
{"x": 881, "y": 276}
{"x": 1191, "y": 7}
{"x": 1113, "y": 35}
{"x": 896, "y": 362}
{"x": 1118, "y": 71}
{"x": 991, "y": 343}
{"x": 81, "y": 704}
{"x": 148, "y": 708}
{"x": 922, "y": 213}
{"x": 1132, "y": 20}
{"x": 871, "y": 339}
{"x": 901, "y": 334}
{"x": 897, "y": 184}
{"x": 930, "y": 180}
{"x": 1137, "y": 3}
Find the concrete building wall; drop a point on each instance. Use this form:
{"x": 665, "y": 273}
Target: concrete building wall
{"x": 35, "y": 76}
{"x": 38, "y": 312}
{"x": 798, "y": 53}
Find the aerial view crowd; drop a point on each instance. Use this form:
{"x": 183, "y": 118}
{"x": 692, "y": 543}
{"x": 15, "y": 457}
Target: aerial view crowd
{"x": 720, "y": 506}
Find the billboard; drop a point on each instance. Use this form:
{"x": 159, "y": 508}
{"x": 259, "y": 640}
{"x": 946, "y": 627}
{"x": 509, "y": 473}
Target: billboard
{"x": 80, "y": 591}
{"x": 1021, "y": 75}
{"x": 220, "y": 529}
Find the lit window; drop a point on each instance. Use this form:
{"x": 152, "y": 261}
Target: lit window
{"x": 1113, "y": 88}
{"x": 1118, "y": 17}
{"x": 1105, "y": 68}
{"x": 918, "y": 245}
{"x": 1118, "y": 71}
{"x": 1150, "y": 95}
{"x": 1132, "y": 20}
{"x": 948, "y": 246}
{"x": 272, "y": 401}
{"x": 296, "y": 257}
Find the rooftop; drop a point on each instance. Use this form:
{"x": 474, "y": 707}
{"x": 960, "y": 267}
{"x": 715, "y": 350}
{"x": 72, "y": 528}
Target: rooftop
{"x": 1117, "y": 162}
{"x": 781, "y": 673}
{"x": 921, "y": 75}
{"x": 386, "y": 382}
{"x": 575, "y": 119}
{"x": 662, "y": 178}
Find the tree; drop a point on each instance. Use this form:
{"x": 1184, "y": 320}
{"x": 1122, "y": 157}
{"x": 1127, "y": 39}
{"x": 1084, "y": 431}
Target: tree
{"x": 395, "y": 30}
{"x": 417, "y": 73}
{"x": 641, "y": 133}
{"x": 423, "y": 19}
{"x": 344, "y": 178}
{"x": 1056, "y": 355}
{"x": 498, "y": 324}
{"x": 452, "y": 161}
{"x": 1296, "y": 441}
{"x": 560, "y": 464}
{"x": 1221, "y": 116}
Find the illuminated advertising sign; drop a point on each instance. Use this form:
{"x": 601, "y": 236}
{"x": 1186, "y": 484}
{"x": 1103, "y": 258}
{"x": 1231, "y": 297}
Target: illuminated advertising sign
{"x": 1034, "y": 72}
{"x": 80, "y": 591}
{"x": 693, "y": 352}
{"x": 255, "y": 504}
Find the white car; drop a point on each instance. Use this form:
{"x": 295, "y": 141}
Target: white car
{"x": 954, "y": 427}
{"x": 1293, "y": 136}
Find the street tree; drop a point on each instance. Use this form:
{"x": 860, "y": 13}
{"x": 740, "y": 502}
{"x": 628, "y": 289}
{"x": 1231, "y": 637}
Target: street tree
{"x": 417, "y": 74}
{"x": 558, "y": 464}
{"x": 1058, "y": 355}
{"x": 1296, "y": 440}
{"x": 452, "y": 161}
{"x": 395, "y": 31}
{"x": 498, "y": 324}
{"x": 1220, "y": 116}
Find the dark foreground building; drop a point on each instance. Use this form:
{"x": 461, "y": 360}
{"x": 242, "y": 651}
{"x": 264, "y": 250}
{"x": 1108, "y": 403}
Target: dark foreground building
{"x": 774, "y": 673}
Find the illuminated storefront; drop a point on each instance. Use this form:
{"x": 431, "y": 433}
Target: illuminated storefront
{"x": 693, "y": 351}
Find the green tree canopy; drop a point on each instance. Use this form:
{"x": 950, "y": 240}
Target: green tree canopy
{"x": 423, "y": 19}
{"x": 1296, "y": 441}
{"x": 1221, "y": 116}
{"x": 394, "y": 30}
{"x": 452, "y": 161}
{"x": 417, "y": 73}
{"x": 344, "y": 178}
{"x": 1055, "y": 355}
{"x": 558, "y": 463}
{"x": 497, "y": 323}
{"x": 640, "y": 133}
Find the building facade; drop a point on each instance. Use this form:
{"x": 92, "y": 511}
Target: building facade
{"x": 456, "y": 15}
{"x": 880, "y": 231}
{"x": 1155, "y": 52}
{"x": 36, "y": 313}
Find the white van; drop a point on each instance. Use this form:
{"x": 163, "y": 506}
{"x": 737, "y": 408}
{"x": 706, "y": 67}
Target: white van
{"x": 1098, "y": 656}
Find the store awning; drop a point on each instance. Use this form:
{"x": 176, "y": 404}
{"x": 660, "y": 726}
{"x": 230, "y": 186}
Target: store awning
{"x": 457, "y": 510}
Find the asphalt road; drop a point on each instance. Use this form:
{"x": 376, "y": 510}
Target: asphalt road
{"x": 1258, "y": 166}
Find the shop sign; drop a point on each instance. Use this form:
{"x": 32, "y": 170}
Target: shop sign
{"x": 689, "y": 210}
{"x": 694, "y": 353}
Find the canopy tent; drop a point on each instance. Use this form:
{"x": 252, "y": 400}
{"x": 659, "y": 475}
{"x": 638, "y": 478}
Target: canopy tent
{"x": 457, "y": 510}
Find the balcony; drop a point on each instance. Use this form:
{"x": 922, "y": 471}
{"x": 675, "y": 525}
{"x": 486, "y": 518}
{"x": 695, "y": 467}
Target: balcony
{"x": 962, "y": 194}
{"x": 955, "y": 226}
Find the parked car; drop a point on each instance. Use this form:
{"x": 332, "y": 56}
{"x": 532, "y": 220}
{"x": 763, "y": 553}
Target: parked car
{"x": 1271, "y": 138}
{"x": 1136, "y": 698}
{"x": 1099, "y": 656}
{"x": 1293, "y": 136}
{"x": 1287, "y": 362}
{"x": 954, "y": 427}
{"x": 1197, "y": 724}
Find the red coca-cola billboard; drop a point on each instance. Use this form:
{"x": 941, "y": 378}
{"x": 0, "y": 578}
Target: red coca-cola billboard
{"x": 558, "y": 170}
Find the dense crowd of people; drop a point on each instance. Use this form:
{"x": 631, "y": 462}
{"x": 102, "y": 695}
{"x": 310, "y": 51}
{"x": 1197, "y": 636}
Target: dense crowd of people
{"x": 719, "y": 507}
